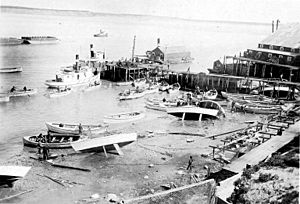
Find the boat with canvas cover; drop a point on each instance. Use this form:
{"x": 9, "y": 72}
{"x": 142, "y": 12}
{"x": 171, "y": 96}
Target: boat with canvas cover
{"x": 106, "y": 143}
{"x": 55, "y": 140}
{"x": 204, "y": 109}
{"x": 124, "y": 117}
{"x": 11, "y": 69}
{"x": 65, "y": 128}
{"x": 10, "y": 174}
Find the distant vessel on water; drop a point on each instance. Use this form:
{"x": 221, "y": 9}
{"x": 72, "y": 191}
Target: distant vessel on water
{"x": 39, "y": 40}
{"x": 102, "y": 33}
{"x": 10, "y": 41}
{"x": 11, "y": 69}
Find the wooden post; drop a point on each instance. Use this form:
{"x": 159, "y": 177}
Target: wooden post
{"x": 263, "y": 71}
{"x": 200, "y": 117}
{"x": 104, "y": 150}
{"x": 291, "y": 74}
{"x": 183, "y": 116}
{"x": 255, "y": 66}
{"x": 126, "y": 75}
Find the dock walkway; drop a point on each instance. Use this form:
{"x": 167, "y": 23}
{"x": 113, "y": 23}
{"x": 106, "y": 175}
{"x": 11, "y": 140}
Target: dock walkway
{"x": 254, "y": 157}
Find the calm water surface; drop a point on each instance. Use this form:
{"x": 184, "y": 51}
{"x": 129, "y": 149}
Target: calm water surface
{"x": 207, "y": 42}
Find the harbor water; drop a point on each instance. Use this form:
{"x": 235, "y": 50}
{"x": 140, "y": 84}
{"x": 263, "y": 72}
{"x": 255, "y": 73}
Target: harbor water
{"x": 23, "y": 116}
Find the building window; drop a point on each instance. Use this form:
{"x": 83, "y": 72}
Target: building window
{"x": 289, "y": 59}
{"x": 271, "y": 47}
{"x": 269, "y": 55}
{"x": 281, "y": 48}
{"x": 293, "y": 50}
{"x": 280, "y": 56}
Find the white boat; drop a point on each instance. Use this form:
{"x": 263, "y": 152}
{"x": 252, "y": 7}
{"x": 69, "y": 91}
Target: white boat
{"x": 210, "y": 95}
{"x": 82, "y": 77}
{"x": 124, "y": 83}
{"x": 74, "y": 128}
{"x": 11, "y": 69}
{"x": 271, "y": 91}
{"x": 140, "y": 83}
{"x": 39, "y": 40}
{"x": 152, "y": 89}
{"x": 93, "y": 86}
{"x": 174, "y": 88}
{"x": 101, "y": 33}
{"x": 164, "y": 86}
{"x": 10, "y": 174}
{"x": 131, "y": 94}
{"x": 205, "y": 109}
{"x": 22, "y": 92}
{"x": 124, "y": 117}
{"x": 60, "y": 93}
{"x": 4, "y": 98}
{"x": 106, "y": 143}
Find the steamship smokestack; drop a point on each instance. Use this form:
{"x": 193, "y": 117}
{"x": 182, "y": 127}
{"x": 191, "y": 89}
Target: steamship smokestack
{"x": 92, "y": 51}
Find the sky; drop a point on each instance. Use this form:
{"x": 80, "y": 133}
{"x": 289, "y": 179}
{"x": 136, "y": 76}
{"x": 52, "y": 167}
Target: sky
{"x": 263, "y": 11}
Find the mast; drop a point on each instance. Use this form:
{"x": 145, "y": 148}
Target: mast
{"x": 133, "y": 47}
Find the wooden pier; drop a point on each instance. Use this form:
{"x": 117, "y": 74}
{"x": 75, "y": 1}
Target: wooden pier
{"x": 254, "y": 157}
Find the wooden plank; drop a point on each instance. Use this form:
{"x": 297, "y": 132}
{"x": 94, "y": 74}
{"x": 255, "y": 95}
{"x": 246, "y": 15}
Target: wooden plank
{"x": 267, "y": 133}
{"x": 118, "y": 149}
{"x": 16, "y": 195}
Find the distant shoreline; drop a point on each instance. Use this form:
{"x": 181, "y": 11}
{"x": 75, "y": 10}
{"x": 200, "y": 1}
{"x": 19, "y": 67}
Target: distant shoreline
{"x": 42, "y": 11}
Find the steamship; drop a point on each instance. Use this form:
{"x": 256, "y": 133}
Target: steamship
{"x": 39, "y": 40}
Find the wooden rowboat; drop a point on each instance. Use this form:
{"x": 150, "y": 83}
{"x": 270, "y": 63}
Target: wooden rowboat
{"x": 11, "y": 69}
{"x": 64, "y": 128}
{"x": 124, "y": 117}
{"x": 132, "y": 94}
{"x": 21, "y": 92}
{"x": 56, "y": 141}
{"x": 210, "y": 95}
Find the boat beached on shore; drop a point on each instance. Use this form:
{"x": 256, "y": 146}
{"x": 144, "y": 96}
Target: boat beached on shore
{"x": 204, "y": 109}
{"x": 131, "y": 94}
{"x": 10, "y": 174}
{"x": 55, "y": 140}
{"x": 64, "y": 128}
{"x": 106, "y": 143}
{"x": 124, "y": 117}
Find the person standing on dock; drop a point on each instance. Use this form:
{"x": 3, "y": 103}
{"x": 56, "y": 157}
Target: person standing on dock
{"x": 80, "y": 128}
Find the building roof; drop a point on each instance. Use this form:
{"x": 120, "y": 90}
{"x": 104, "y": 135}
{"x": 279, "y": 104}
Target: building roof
{"x": 276, "y": 52}
{"x": 173, "y": 49}
{"x": 287, "y": 35}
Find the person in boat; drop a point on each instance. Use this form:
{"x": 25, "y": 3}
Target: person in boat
{"x": 25, "y": 88}
{"x": 80, "y": 128}
{"x": 13, "y": 89}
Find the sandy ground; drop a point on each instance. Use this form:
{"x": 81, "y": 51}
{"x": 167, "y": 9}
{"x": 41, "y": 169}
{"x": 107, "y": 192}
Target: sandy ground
{"x": 126, "y": 176}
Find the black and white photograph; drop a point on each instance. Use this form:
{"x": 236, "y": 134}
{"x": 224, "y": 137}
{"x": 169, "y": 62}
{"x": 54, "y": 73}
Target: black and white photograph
{"x": 138, "y": 101}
